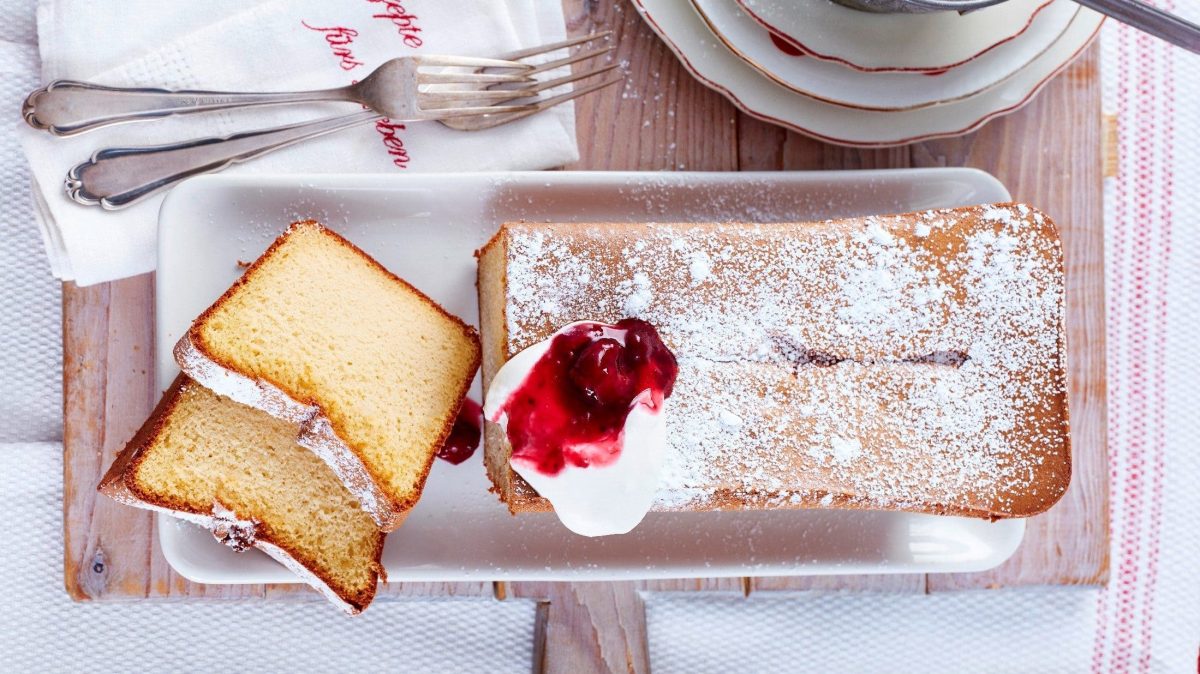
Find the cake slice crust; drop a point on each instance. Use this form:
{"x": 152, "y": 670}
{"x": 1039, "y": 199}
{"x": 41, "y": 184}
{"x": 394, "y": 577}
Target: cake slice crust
{"x": 318, "y": 333}
{"x": 239, "y": 472}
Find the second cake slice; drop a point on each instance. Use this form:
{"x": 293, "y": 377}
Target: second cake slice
{"x": 238, "y": 472}
{"x": 319, "y": 333}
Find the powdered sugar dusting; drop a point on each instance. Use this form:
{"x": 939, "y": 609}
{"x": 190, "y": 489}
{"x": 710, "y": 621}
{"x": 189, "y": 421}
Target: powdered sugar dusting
{"x": 729, "y": 421}
{"x": 234, "y": 385}
{"x": 638, "y": 294}
{"x": 909, "y": 362}
{"x": 700, "y": 267}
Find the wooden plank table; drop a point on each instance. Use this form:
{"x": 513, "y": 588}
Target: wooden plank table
{"x": 1048, "y": 154}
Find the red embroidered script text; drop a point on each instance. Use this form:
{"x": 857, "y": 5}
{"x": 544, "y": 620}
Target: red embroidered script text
{"x": 339, "y": 39}
{"x": 395, "y": 147}
{"x": 404, "y": 21}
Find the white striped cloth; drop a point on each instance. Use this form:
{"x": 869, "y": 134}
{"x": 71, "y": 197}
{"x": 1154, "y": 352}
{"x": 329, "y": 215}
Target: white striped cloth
{"x": 1148, "y": 618}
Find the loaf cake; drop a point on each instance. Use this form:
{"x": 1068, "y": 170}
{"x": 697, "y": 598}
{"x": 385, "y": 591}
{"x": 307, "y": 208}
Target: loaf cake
{"x": 907, "y": 362}
{"x": 239, "y": 472}
{"x": 318, "y": 333}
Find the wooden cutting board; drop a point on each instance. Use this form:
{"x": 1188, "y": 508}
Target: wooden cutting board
{"x": 1048, "y": 154}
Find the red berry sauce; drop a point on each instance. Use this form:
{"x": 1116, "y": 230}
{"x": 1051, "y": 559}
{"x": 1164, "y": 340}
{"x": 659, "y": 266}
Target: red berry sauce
{"x": 464, "y": 437}
{"x": 571, "y": 408}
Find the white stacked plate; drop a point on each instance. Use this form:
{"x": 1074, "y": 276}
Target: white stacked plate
{"x": 864, "y": 79}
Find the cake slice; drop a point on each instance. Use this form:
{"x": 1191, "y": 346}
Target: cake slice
{"x": 239, "y": 472}
{"x": 318, "y": 333}
{"x": 908, "y": 362}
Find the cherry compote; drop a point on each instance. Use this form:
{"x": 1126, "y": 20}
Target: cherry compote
{"x": 571, "y": 408}
{"x": 464, "y": 436}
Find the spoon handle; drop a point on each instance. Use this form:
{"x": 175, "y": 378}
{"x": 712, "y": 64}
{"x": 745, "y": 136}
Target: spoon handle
{"x": 118, "y": 177}
{"x": 1151, "y": 20}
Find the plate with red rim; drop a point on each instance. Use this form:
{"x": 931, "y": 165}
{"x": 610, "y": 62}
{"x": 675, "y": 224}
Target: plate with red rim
{"x": 706, "y": 58}
{"x": 871, "y": 42}
{"x": 892, "y": 91}
{"x": 426, "y": 227}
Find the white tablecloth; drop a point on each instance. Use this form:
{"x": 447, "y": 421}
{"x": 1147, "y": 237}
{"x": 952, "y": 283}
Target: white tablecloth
{"x": 42, "y": 630}
{"x": 1147, "y": 620}
{"x": 30, "y": 318}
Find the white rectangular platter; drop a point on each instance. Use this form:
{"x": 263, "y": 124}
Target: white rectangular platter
{"x": 425, "y": 228}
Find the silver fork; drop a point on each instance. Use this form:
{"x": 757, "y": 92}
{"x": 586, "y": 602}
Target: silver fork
{"x": 118, "y": 177}
{"x": 67, "y": 107}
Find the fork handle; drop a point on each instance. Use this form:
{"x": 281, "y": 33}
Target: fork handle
{"x": 118, "y": 177}
{"x": 68, "y": 107}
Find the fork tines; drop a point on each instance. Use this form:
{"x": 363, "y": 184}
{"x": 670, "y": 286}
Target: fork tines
{"x": 494, "y": 89}
{"x": 554, "y": 46}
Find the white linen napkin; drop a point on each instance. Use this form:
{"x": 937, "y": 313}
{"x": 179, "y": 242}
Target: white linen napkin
{"x": 280, "y": 45}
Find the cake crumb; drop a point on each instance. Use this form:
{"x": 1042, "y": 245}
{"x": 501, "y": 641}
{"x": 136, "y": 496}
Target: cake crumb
{"x": 700, "y": 267}
{"x": 845, "y": 449}
{"x": 640, "y": 296}
{"x": 729, "y": 420}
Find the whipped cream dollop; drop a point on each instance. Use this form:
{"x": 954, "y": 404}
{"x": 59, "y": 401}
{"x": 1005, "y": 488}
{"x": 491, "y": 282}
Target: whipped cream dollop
{"x": 585, "y": 412}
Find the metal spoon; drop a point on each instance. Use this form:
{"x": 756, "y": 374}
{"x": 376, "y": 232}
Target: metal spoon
{"x": 1144, "y": 17}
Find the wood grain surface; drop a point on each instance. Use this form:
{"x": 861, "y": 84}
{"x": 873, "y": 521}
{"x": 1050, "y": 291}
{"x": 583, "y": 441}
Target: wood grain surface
{"x": 1048, "y": 154}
